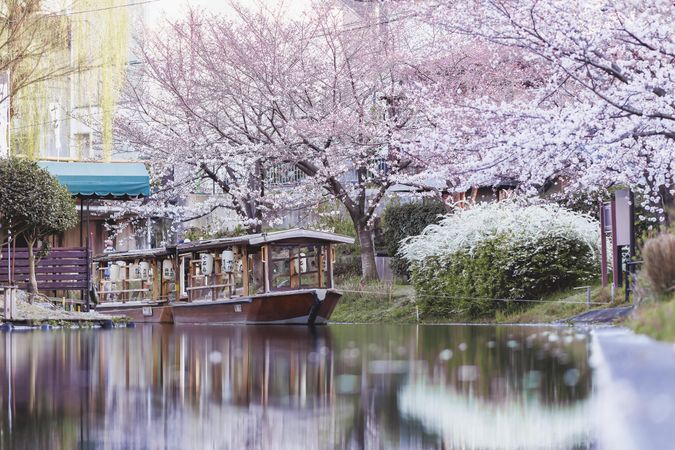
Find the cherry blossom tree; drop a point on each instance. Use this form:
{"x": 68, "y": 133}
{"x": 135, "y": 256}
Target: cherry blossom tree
{"x": 606, "y": 114}
{"x": 171, "y": 114}
{"x": 232, "y": 100}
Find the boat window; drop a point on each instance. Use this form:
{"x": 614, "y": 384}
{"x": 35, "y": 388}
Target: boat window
{"x": 256, "y": 272}
{"x": 298, "y": 266}
{"x": 280, "y": 267}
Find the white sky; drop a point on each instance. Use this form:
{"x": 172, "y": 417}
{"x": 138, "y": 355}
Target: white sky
{"x": 172, "y": 9}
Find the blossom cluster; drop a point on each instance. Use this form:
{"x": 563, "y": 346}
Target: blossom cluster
{"x": 521, "y": 224}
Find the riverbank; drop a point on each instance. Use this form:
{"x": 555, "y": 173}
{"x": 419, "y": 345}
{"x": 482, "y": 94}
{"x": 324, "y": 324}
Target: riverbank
{"x": 44, "y": 314}
{"x": 655, "y": 319}
{"x": 380, "y": 302}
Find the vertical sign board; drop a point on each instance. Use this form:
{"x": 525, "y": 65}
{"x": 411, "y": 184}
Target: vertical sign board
{"x": 623, "y": 218}
{"x": 4, "y": 114}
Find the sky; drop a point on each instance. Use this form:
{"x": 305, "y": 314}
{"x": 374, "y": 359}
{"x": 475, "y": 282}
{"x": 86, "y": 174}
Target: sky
{"x": 172, "y": 9}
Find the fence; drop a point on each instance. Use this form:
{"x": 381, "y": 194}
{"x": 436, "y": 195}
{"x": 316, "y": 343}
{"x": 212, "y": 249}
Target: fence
{"x": 62, "y": 269}
{"x": 383, "y": 268}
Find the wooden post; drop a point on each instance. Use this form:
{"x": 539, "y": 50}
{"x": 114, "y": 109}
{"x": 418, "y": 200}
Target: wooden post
{"x": 81, "y": 222}
{"x": 330, "y": 266}
{"x": 100, "y": 273}
{"x": 177, "y": 269}
{"x": 192, "y": 271}
{"x": 294, "y": 283}
{"x": 616, "y": 262}
{"x": 631, "y": 225}
{"x": 125, "y": 282}
{"x": 265, "y": 259}
{"x": 319, "y": 267}
{"x": 245, "y": 275}
{"x": 156, "y": 280}
{"x": 603, "y": 247}
{"x": 85, "y": 293}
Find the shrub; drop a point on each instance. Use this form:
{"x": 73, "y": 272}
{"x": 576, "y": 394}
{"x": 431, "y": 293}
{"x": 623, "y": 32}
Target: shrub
{"x": 402, "y": 221}
{"x": 347, "y": 266}
{"x": 332, "y": 218}
{"x": 500, "y": 251}
{"x": 658, "y": 255}
{"x": 35, "y": 204}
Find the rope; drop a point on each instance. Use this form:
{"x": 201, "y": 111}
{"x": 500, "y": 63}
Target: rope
{"x": 505, "y": 300}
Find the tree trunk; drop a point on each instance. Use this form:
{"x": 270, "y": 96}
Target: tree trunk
{"x": 32, "y": 279}
{"x": 368, "y": 267}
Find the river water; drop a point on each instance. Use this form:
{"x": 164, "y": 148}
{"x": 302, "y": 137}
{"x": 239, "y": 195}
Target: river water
{"x": 333, "y": 387}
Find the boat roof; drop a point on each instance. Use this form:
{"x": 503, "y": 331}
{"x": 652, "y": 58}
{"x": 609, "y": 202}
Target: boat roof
{"x": 294, "y": 235}
{"x": 135, "y": 254}
{"x": 300, "y": 233}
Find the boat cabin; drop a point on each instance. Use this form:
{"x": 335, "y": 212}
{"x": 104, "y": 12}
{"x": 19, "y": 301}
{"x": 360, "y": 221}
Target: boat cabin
{"x": 226, "y": 268}
{"x": 142, "y": 275}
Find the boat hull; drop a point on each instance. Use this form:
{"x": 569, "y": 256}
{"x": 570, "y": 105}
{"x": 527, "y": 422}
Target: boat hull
{"x": 306, "y": 307}
{"x": 139, "y": 312}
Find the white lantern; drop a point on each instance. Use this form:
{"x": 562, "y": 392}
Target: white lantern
{"x": 144, "y": 270}
{"x": 114, "y": 272}
{"x": 227, "y": 258}
{"x": 206, "y": 263}
{"x": 167, "y": 269}
{"x": 135, "y": 272}
{"x": 122, "y": 270}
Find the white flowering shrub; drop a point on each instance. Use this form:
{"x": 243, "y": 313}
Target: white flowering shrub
{"x": 503, "y": 250}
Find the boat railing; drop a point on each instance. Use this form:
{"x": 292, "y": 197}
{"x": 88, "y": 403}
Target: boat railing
{"x": 140, "y": 279}
{"x": 209, "y": 279}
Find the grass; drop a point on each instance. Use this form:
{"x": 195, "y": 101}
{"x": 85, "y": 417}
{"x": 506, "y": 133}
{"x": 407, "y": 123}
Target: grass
{"x": 656, "y": 319}
{"x": 375, "y": 302}
{"x": 380, "y": 302}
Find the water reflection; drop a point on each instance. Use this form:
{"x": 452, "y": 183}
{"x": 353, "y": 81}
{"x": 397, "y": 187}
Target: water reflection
{"x": 342, "y": 386}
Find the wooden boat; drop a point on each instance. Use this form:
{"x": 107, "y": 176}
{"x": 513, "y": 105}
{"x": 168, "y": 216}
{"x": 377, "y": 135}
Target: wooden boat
{"x": 138, "y": 284}
{"x": 283, "y": 277}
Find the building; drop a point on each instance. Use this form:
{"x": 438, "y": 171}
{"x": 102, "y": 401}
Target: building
{"x": 66, "y": 117}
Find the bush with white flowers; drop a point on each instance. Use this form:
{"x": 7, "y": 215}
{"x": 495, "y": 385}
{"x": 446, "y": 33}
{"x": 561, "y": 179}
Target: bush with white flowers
{"x": 505, "y": 250}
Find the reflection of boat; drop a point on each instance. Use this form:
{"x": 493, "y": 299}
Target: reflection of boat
{"x": 166, "y": 387}
{"x": 283, "y": 277}
{"x": 467, "y": 422}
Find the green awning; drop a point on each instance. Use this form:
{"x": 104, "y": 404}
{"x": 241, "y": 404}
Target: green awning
{"x": 101, "y": 180}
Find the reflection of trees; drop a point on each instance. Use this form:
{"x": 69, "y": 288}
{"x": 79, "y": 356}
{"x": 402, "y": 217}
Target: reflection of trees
{"x": 331, "y": 387}
{"x": 503, "y": 356}
{"x": 513, "y": 365}
{"x": 467, "y": 422}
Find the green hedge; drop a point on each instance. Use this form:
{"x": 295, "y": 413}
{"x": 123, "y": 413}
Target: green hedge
{"x": 401, "y": 221}
{"x": 464, "y": 285}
